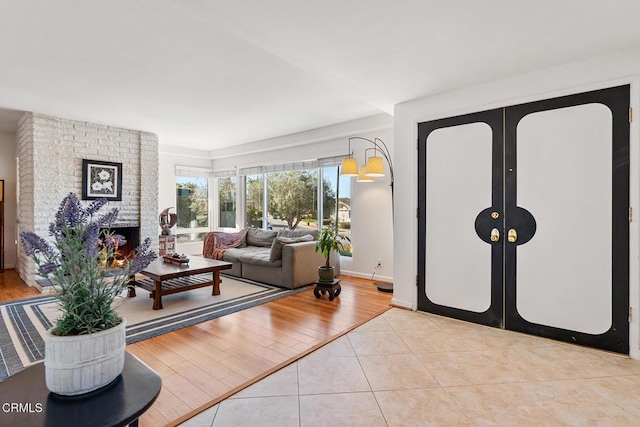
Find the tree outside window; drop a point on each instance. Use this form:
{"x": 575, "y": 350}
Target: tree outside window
{"x": 192, "y": 202}
{"x": 254, "y": 198}
{"x": 227, "y": 202}
{"x": 293, "y": 198}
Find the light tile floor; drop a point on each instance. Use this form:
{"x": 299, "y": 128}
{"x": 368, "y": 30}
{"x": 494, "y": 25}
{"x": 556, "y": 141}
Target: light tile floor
{"x": 414, "y": 369}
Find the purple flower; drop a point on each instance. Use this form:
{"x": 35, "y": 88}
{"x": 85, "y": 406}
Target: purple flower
{"x": 34, "y": 244}
{"x": 109, "y": 218}
{"x": 142, "y": 258}
{"x": 72, "y": 261}
{"x": 95, "y": 206}
{"x": 70, "y": 214}
{"x": 91, "y": 238}
{"x": 114, "y": 240}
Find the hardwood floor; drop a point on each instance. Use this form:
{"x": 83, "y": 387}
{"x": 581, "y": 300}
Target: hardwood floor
{"x": 13, "y": 288}
{"x": 203, "y": 364}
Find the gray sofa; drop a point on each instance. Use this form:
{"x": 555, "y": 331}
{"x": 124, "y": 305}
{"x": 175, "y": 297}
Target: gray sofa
{"x": 285, "y": 258}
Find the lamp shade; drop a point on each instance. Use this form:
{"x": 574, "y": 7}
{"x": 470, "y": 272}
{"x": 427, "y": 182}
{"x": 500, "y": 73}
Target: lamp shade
{"x": 362, "y": 176}
{"x": 349, "y": 167}
{"x": 375, "y": 166}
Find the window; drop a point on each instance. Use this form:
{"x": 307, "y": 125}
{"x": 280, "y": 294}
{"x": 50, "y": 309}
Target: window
{"x": 287, "y": 196}
{"x": 336, "y": 203}
{"x": 254, "y": 197}
{"x": 192, "y": 207}
{"x": 292, "y": 199}
{"x": 227, "y": 202}
{"x": 344, "y": 211}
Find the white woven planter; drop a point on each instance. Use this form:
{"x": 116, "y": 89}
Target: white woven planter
{"x": 83, "y": 363}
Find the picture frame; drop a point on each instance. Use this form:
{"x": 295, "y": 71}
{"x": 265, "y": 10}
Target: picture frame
{"x": 101, "y": 180}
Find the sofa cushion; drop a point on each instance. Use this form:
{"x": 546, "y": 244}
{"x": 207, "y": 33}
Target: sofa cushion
{"x": 298, "y": 233}
{"x": 259, "y": 237}
{"x": 279, "y": 242}
{"x": 233, "y": 254}
{"x": 259, "y": 258}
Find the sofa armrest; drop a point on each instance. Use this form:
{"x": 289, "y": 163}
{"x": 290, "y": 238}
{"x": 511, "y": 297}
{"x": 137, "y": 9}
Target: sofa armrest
{"x": 300, "y": 263}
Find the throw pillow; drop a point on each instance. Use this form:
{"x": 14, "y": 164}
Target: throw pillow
{"x": 279, "y": 242}
{"x": 259, "y": 237}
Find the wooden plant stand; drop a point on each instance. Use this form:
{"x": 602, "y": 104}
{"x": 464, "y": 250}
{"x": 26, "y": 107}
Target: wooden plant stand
{"x": 333, "y": 288}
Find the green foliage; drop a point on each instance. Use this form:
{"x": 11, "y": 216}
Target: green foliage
{"x": 330, "y": 240}
{"x": 227, "y": 202}
{"x": 84, "y": 298}
{"x": 254, "y": 197}
{"x": 254, "y": 217}
{"x": 347, "y": 250}
{"x": 345, "y": 225}
{"x": 293, "y": 196}
{"x": 192, "y": 201}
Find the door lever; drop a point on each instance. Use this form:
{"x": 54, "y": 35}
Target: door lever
{"x": 495, "y": 235}
{"x": 512, "y": 236}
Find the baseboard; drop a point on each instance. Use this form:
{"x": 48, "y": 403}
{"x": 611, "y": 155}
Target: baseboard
{"x": 376, "y": 278}
{"x": 402, "y": 304}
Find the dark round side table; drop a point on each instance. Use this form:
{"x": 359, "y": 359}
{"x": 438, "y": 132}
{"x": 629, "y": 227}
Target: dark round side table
{"x": 26, "y": 401}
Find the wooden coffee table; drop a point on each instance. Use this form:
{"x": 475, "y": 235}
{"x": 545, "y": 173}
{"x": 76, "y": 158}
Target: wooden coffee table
{"x": 166, "y": 278}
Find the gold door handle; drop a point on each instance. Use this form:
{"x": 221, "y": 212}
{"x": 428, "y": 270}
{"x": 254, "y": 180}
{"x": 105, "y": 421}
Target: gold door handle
{"x": 495, "y": 235}
{"x": 512, "y": 236}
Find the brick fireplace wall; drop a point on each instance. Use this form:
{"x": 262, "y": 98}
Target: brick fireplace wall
{"x": 50, "y": 152}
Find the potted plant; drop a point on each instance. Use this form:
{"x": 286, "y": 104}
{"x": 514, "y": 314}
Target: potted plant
{"x": 329, "y": 240}
{"x": 85, "y": 349}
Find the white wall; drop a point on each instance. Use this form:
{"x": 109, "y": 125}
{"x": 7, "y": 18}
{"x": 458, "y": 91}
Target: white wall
{"x": 610, "y": 70}
{"x": 372, "y": 229}
{"x": 8, "y": 173}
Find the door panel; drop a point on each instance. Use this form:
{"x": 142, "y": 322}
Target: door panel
{"x": 586, "y": 198}
{"x": 461, "y": 275}
{"x": 559, "y": 263}
{"x": 458, "y": 186}
{"x": 564, "y": 179}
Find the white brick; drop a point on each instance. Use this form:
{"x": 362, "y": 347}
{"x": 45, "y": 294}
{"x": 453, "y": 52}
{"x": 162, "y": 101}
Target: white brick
{"x": 51, "y": 150}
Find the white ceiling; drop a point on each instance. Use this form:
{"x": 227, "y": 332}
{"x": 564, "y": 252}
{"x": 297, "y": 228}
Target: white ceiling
{"x": 210, "y": 74}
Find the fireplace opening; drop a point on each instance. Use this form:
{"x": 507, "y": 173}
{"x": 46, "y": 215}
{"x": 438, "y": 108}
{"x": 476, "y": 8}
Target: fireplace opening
{"x": 123, "y": 253}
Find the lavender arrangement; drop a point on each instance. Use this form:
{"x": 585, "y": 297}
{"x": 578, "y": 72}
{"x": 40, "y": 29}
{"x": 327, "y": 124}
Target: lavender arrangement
{"x": 72, "y": 262}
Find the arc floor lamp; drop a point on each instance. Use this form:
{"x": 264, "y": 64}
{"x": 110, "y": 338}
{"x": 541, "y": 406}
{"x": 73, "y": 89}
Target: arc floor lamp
{"x": 372, "y": 168}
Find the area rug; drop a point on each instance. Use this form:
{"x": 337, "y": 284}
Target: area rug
{"x": 24, "y": 322}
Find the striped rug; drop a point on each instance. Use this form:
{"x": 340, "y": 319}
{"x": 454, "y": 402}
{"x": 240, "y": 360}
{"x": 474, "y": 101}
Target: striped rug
{"x": 24, "y": 322}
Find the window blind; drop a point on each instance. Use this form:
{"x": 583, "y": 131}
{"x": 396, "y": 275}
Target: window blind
{"x": 224, "y": 173}
{"x": 293, "y": 166}
{"x": 192, "y": 171}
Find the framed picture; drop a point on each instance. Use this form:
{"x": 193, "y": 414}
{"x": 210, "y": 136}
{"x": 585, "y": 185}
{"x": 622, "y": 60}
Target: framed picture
{"x": 101, "y": 179}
